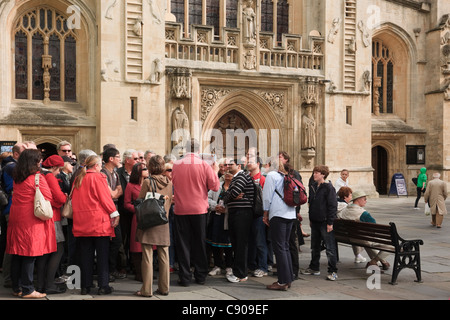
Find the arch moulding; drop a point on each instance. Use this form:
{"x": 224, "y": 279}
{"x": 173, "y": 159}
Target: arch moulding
{"x": 254, "y": 108}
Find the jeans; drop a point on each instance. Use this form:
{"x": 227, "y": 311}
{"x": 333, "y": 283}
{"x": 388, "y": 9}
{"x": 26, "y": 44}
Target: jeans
{"x": 257, "y": 246}
{"x": 280, "y": 229}
{"x": 22, "y": 269}
{"x": 419, "y": 194}
{"x": 318, "y": 234}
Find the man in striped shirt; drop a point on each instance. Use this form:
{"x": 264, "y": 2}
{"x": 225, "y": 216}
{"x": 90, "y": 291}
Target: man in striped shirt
{"x": 239, "y": 199}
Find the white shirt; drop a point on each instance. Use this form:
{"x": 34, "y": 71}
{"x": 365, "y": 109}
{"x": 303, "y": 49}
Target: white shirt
{"x": 340, "y": 183}
{"x": 272, "y": 201}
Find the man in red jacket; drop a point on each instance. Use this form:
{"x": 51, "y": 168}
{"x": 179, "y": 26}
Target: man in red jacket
{"x": 192, "y": 179}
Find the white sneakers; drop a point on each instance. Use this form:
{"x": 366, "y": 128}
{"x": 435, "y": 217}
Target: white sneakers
{"x": 360, "y": 259}
{"x": 259, "y": 273}
{"x": 234, "y": 279}
{"x": 217, "y": 271}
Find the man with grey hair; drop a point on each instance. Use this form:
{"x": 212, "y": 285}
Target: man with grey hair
{"x": 64, "y": 148}
{"x": 435, "y": 197}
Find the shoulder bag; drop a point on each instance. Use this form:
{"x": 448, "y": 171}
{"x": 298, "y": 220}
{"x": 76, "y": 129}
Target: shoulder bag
{"x": 42, "y": 207}
{"x": 66, "y": 210}
{"x": 150, "y": 212}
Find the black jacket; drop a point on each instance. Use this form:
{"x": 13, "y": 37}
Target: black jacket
{"x": 322, "y": 203}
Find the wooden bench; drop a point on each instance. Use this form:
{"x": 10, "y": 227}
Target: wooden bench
{"x": 384, "y": 238}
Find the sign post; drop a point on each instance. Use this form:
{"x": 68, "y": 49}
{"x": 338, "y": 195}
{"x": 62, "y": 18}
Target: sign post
{"x": 398, "y": 185}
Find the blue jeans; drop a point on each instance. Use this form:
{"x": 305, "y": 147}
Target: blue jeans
{"x": 280, "y": 230}
{"x": 257, "y": 246}
{"x": 318, "y": 234}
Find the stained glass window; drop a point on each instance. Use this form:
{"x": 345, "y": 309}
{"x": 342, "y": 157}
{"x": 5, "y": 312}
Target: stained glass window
{"x": 38, "y": 72}
{"x": 383, "y": 67}
{"x": 70, "y": 68}
{"x": 231, "y": 13}
{"x": 177, "y": 9}
{"x": 38, "y": 25}
{"x": 195, "y": 11}
{"x": 282, "y": 18}
{"x": 212, "y": 14}
{"x": 21, "y": 65}
{"x": 267, "y": 15}
{"x": 54, "y": 49}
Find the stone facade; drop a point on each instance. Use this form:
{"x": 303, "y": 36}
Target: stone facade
{"x": 351, "y": 85}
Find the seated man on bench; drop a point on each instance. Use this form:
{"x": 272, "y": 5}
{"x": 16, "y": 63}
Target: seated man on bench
{"x": 355, "y": 211}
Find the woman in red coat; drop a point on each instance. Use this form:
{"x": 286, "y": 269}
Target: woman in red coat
{"x": 138, "y": 174}
{"x": 27, "y": 237}
{"x": 94, "y": 218}
{"x": 47, "y": 265}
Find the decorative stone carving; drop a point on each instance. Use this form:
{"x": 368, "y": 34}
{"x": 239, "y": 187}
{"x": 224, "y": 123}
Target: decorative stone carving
{"x": 249, "y": 23}
{"x": 376, "y": 95}
{"x": 155, "y": 11}
{"x": 46, "y": 65}
{"x": 352, "y": 45}
{"x": 109, "y": 11}
{"x": 367, "y": 80}
{"x": 445, "y": 44}
{"x": 308, "y": 129}
{"x": 365, "y": 35}
{"x": 181, "y": 83}
{"x": 277, "y": 101}
{"x": 334, "y": 29}
{"x": 157, "y": 71}
{"x": 209, "y": 99}
{"x": 180, "y": 125}
{"x": 249, "y": 60}
{"x": 137, "y": 27}
{"x": 310, "y": 92}
{"x": 447, "y": 92}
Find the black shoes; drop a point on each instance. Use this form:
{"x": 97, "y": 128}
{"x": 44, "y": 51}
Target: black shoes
{"x": 105, "y": 290}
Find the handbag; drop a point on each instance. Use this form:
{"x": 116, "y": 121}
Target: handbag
{"x": 42, "y": 207}
{"x": 66, "y": 210}
{"x": 150, "y": 212}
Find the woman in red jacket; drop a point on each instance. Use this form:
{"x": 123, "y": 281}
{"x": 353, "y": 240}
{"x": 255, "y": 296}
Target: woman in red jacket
{"x": 138, "y": 174}
{"x": 47, "y": 265}
{"x": 94, "y": 218}
{"x": 27, "y": 237}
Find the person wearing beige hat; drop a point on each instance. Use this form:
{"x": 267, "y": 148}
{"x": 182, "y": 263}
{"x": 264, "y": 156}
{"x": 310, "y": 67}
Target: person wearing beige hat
{"x": 355, "y": 211}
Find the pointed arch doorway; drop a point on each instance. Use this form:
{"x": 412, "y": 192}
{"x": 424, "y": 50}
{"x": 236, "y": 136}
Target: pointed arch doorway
{"x": 380, "y": 165}
{"x": 251, "y": 117}
{"x": 230, "y": 124}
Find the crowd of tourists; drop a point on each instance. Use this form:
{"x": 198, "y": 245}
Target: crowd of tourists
{"x": 214, "y": 228}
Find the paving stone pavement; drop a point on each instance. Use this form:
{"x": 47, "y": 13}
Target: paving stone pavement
{"x": 352, "y": 283}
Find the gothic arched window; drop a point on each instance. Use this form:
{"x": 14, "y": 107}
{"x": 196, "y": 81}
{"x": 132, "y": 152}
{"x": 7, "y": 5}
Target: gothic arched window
{"x": 267, "y": 15}
{"x": 383, "y": 78}
{"x": 282, "y": 18}
{"x": 231, "y": 16}
{"x": 213, "y": 14}
{"x": 44, "y": 56}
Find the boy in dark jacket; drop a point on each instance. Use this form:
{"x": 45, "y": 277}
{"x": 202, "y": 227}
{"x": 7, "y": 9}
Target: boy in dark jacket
{"x": 322, "y": 212}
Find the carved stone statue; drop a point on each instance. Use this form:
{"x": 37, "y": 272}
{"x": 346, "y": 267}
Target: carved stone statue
{"x": 180, "y": 122}
{"x": 137, "y": 27}
{"x": 157, "y": 70}
{"x": 334, "y": 29}
{"x": 308, "y": 129}
{"x": 249, "y": 23}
